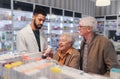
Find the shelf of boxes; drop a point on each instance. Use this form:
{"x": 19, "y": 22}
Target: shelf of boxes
{"x": 5, "y": 30}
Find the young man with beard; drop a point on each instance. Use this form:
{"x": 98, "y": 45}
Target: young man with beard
{"x": 31, "y": 38}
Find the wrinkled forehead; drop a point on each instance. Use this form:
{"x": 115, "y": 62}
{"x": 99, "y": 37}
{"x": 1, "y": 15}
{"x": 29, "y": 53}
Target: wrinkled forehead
{"x": 82, "y": 22}
{"x": 63, "y": 37}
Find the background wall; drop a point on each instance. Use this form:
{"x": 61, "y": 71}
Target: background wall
{"x": 113, "y": 9}
{"x": 86, "y": 7}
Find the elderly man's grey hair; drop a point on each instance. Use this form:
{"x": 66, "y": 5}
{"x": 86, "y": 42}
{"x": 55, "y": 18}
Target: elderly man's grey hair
{"x": 70, "y": 36}
{"x": 89, "y": 21}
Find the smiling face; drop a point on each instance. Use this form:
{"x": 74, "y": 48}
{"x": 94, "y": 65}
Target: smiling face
{"x": 64, "y": 44}
{"x": 38, "y": 21}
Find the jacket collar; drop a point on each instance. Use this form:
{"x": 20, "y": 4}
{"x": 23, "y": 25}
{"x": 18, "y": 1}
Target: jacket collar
{"x": 69, "y": 51}
{"x": 90, "y": 42}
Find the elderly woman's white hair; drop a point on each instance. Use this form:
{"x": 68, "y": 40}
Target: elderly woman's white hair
{"x": 89, "y": 21}
{"x": 70, "y": 36}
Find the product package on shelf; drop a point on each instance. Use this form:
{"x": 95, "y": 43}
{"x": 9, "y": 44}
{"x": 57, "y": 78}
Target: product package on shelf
{"x": 32, "y": 70}
{"x": 64, "y": 72}
{"x": 10, "y": 60}
{"x": 44, "y": 68}
{"x": 115, "y": 73}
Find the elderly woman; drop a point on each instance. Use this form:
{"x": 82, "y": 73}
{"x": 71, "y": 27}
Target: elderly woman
{"x": 66, "y": 54}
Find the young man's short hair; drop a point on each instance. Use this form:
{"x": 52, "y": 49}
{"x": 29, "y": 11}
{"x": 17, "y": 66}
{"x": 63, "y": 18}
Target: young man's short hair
{"x": 39, "y": 10}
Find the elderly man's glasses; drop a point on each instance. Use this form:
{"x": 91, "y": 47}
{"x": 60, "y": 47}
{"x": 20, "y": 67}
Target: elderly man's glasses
{"x": 82, "y": 27}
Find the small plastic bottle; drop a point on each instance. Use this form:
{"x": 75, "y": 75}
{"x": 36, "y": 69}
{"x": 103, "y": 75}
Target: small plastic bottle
{"x": 47, "y": 51}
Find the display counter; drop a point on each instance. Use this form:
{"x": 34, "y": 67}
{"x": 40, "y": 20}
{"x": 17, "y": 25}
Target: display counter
{"x": 31, "y": 66}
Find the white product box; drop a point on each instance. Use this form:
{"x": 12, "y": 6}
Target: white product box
{"x": 115, "y": 73}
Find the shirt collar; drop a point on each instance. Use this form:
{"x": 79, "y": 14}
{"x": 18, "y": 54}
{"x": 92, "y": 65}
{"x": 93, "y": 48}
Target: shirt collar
{"x": 69, "y": 51}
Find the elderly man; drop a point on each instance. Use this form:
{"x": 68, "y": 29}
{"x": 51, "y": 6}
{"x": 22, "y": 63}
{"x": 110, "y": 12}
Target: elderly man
{"x": 66, "y": 54}
{"x": 97, "y": 52}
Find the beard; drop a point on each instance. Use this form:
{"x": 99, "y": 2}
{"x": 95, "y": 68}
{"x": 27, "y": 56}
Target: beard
{"x": 37, "y": 26}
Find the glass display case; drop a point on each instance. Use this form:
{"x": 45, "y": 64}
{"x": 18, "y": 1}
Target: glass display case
{"x": 78, "y": 38}
{"x": 5, "y": 26}
{"x": 111, "y": 22}
{"x": 22, "y": 15}
{"x": 100, "y": 24}
{"x": 68, "y": 21}
{"x": 118, "y": 27}
{"x": 56, "y": 26}
{"x": 5, "y": 30}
